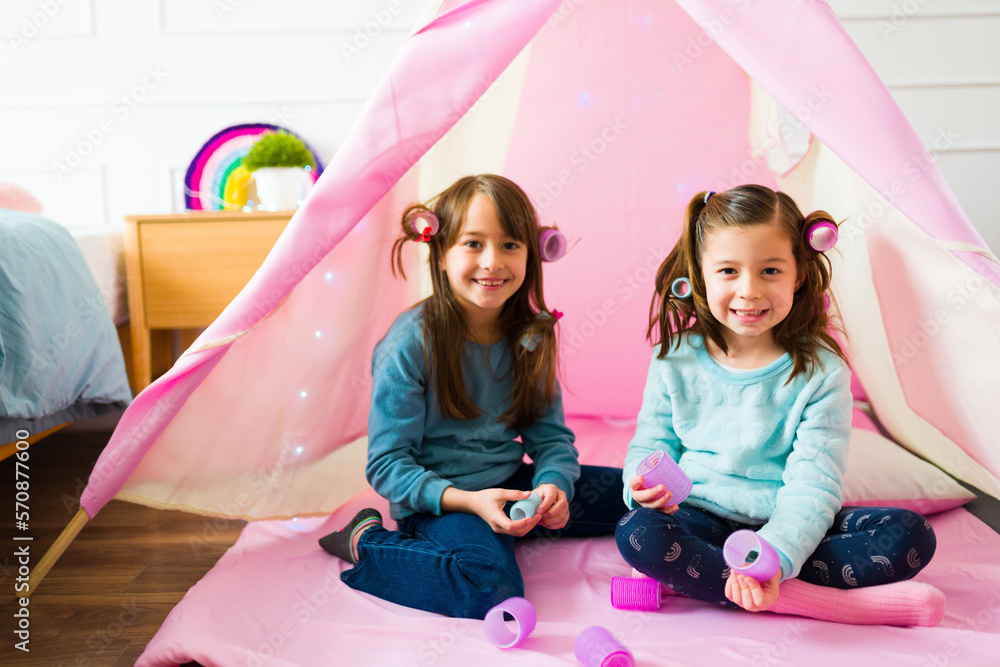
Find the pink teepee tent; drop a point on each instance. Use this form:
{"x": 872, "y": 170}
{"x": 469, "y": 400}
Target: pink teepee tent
{"x": 611, "y": 115}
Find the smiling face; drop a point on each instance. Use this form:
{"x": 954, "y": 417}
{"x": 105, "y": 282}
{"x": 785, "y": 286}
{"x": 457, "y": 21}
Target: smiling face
{"x": 750, "y": 280}
{"x": 485, "y": 267}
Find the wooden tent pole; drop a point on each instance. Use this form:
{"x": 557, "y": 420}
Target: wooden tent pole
{"x": 62, "y": 543}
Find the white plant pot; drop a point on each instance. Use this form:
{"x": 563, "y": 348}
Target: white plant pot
{"x": 281, "y": 188}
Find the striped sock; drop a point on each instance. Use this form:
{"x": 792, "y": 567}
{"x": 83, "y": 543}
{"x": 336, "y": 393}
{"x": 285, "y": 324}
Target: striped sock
{"x": 341, "y": 543}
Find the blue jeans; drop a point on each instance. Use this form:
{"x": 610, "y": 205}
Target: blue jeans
{"x": 866, "y": 546}
{"x": 454, "y": 564}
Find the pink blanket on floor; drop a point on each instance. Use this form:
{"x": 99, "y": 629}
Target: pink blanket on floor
{"x": 275, "y": 599}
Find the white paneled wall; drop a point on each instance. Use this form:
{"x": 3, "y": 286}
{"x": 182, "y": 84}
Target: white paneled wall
{"x": 941, "y": 61}
{"x": 105, "y": 102}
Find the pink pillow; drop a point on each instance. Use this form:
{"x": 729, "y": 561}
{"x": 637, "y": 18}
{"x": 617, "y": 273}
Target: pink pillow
{"x": 856, "y": 389}
{"x": 16, "y": 198}
{"x": 861, "y": 420}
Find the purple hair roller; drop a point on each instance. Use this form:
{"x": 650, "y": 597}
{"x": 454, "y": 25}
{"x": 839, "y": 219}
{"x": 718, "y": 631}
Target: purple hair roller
{"x": 659, "y": 468}
{"x": 522, "y": 509}
{"x": 596, "y": 647}
{"x": 496, "y": 628}
{"x": 739, "y": 548}
{"x": 822, "y": 235}
{"x": 552, "y": 244}
{"x": 426, "y": 219}
{"x": 635, "y": 593}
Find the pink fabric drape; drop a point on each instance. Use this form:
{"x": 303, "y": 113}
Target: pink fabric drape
{"x": 627, "y": 110}
{"x": 413, "y": 106}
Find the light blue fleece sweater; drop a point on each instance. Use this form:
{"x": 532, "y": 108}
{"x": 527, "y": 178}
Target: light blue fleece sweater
{"x": 414, "y": 453}
{"x": 758, "y": 450}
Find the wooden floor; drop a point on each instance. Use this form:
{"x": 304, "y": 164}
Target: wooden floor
{"x": 110, "y": 592}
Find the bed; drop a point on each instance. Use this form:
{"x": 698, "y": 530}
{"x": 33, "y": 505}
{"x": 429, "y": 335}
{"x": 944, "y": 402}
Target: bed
{"x": 60, "y": 357}
{"x": 298, "y": 612}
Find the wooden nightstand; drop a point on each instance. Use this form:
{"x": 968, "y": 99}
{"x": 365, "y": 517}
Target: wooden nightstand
{"x": 183, "y": 269}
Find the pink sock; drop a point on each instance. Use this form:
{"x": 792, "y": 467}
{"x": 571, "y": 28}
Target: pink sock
{"x": 901, "y": 603}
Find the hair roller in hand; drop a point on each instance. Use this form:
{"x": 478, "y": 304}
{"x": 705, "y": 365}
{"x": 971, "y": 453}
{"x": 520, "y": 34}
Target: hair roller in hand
{"x": 747, "y": 553}
{"x": 523, "y": 613}
{"x": 822, "y": 235}
{"x": 552, "y": 244}
{"x": 659, "y": 468}
{"x": 596, "y": 647}
{"x": 522, "y": 509}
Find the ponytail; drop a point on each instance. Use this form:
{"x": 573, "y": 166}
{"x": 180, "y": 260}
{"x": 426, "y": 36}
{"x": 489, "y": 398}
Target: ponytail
{"x": 670, "y": 314}
{"x": 419, "y": 223}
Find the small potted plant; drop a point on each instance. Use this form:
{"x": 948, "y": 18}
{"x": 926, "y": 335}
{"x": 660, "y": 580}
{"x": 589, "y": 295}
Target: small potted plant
{"x": 277, "y": 163}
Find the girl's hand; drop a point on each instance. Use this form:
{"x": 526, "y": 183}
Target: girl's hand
{"x": 657, "y": 498}
{"x": 554, "y": 508}
{"x": 488, "y": 505}
{"x": 751, "y": 594}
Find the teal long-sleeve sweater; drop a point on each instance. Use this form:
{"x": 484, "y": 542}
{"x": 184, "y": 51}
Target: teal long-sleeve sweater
{"x": 758, "y": 449}
{"x": 415, "y": 453}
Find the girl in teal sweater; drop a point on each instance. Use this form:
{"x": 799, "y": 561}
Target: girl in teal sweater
{"x": 750, "y": 394}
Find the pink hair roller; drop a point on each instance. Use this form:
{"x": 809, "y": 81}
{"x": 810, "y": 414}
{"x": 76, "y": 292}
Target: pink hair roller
{"x": 426, "y": 219}
{"x": 522, "y": 509}
{"x": 552, "y": 244}
{"x": 822, "y": 235}
{"x": 635, "y": 593}
{"x": 496, "y": 628}
{"x": 659, "y": 468}
{"x": 596, "y": 647}
{"x": 741, "y": 545}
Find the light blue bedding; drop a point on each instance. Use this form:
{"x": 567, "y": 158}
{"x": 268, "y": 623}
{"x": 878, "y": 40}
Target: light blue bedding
{"x": 60, "y": 359}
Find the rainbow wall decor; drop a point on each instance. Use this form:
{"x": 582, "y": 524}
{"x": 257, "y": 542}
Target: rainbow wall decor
{"x": 216, "y": 179}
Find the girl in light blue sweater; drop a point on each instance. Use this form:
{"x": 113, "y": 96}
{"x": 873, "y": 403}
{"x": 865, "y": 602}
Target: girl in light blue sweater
{"x": 464, "y": 385}
{"x": 750, "y": 394}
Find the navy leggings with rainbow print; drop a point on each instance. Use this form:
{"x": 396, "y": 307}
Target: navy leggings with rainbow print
{"x": 867, "y": 546}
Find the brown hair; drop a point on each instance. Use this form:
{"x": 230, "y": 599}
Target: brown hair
{"x": 445, "y": 328}
{"x": 803, "y": 331}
